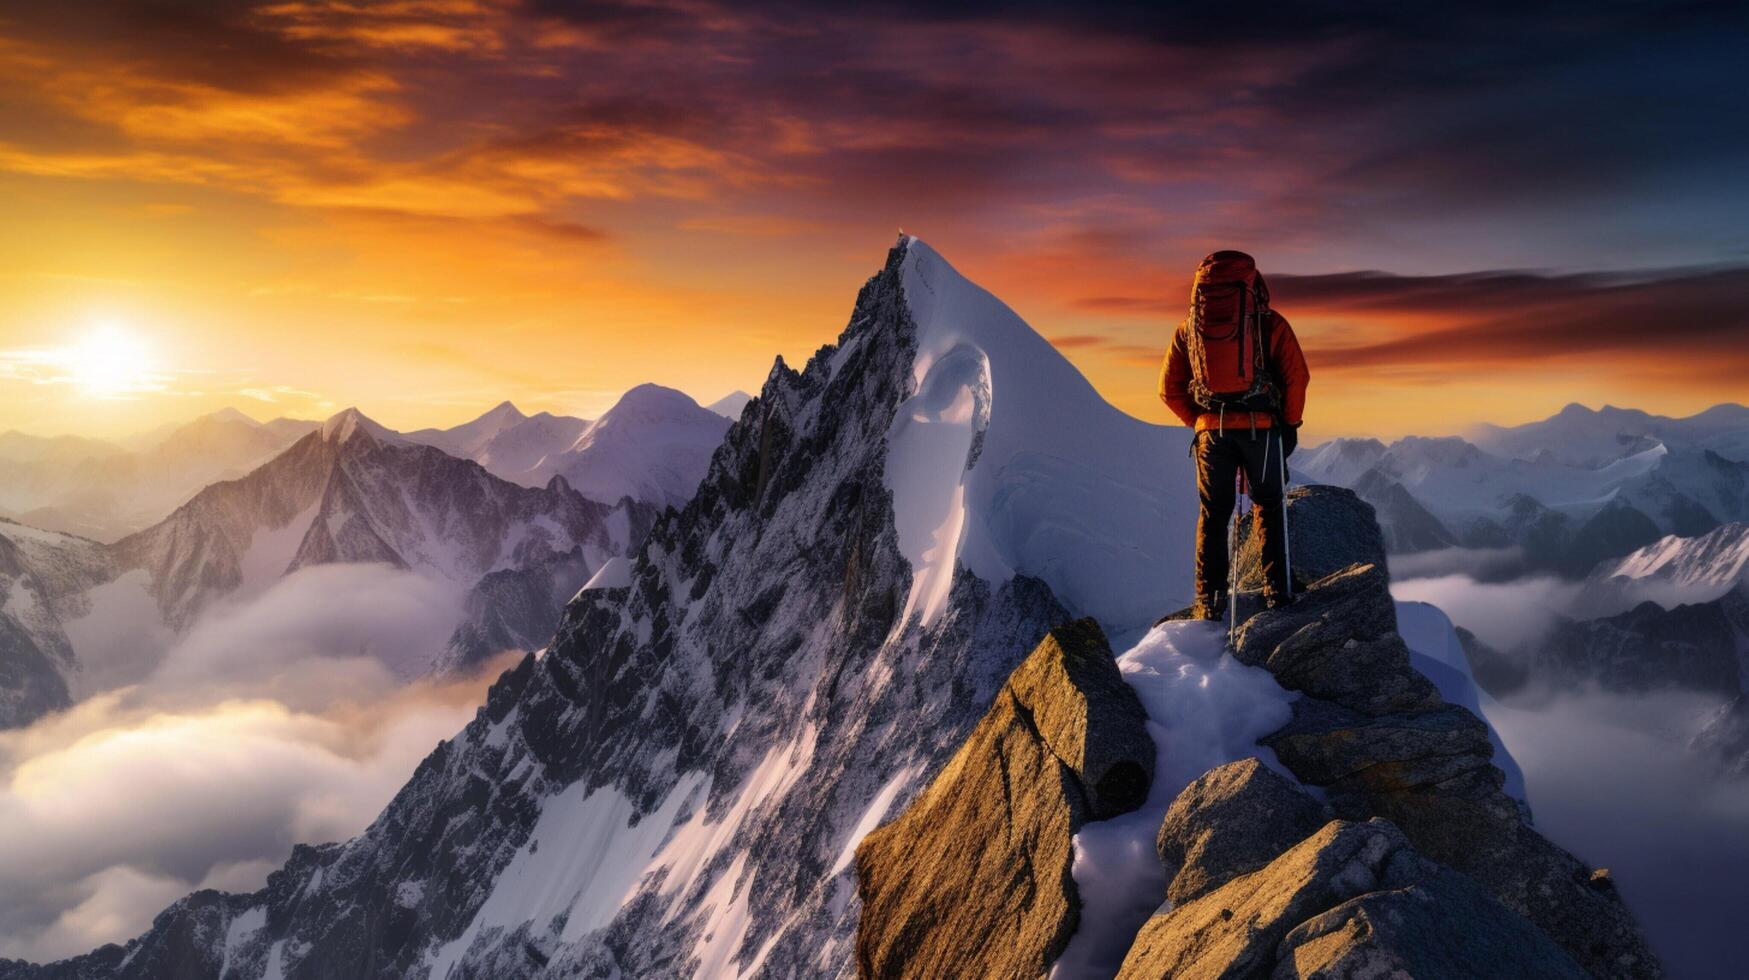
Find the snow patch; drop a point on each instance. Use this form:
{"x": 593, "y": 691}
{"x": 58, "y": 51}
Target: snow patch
{"x": 1205, "y": 709}
{"x": 271, "y": 551}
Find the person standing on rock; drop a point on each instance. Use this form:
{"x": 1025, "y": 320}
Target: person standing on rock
{"x": 1235, "y": 373}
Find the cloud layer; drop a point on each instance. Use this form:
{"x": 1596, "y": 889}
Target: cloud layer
{"x": 280, "y": 721}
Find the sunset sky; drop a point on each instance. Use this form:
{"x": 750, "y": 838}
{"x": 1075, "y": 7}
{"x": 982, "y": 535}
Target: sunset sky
{"x": 424, "y": 207}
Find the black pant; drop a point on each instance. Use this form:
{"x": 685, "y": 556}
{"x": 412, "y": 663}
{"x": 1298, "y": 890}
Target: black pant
{"x": 1218, "y": 459}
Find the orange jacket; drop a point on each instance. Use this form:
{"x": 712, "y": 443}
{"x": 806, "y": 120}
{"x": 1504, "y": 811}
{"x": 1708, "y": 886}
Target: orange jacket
{"x": 1285, "y": 358}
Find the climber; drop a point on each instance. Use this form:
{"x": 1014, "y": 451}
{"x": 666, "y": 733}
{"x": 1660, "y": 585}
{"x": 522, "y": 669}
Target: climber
{"x": 1235, "y": 374}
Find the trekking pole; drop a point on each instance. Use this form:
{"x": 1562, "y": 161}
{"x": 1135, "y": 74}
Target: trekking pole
{"x": 1233, "y": 559}
{"x": 1287, "y": 565}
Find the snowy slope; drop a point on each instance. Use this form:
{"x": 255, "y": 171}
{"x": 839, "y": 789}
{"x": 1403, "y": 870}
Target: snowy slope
{"x": 1565, "y": 515}
{"x": 1672, "y": 571}
{"x": 355, "y": 491}
{"x": 1005, "y": 460}
{"x": 468, "y": 438}
{"x": 43, "y": 577}
{"x": 677, "y": 786}
{"x": 653, "y": 445}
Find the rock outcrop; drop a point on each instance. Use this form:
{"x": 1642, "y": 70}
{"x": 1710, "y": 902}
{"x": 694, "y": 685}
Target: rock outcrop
{"x": 1230, "y": 821}
{"x": 973, "y": 879}
{"x": 1352, "y": 900}
{"x": 1416, "y": 862}
{"x": 1328, "y": 529}
{"x": 1375, "y": 734}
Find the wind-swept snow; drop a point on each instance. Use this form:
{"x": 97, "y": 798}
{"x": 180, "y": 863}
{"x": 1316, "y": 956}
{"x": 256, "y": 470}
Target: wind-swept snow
{"x": 1007, "y": 461}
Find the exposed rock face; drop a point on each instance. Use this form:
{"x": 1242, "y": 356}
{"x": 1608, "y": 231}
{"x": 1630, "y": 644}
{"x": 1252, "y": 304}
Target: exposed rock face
{"x": 1231, "y": 821}
{"x": 1647, "y": 648}
{"x": 1384, "y": 744}
{"x": 1408, "y": 526}
{"x": 1329, "y": 529}
{"x": 1339, "y": 643}
{"x": 1318, "y": 909}
{"x": 974, "y": 878}
{"x": 1443, "y": 925}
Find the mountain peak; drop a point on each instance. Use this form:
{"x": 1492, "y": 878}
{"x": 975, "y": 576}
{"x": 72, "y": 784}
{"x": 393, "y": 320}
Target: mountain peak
{"x": 652, "y": 401}
{"x": 230, "y": 413}
{"x": 504, "y": 411}
{"x": 343, "y": 426}
{"x": 731, "y": 404}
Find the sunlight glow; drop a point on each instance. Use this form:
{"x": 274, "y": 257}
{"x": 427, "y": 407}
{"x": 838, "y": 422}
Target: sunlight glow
{"x": 110, "y": 362}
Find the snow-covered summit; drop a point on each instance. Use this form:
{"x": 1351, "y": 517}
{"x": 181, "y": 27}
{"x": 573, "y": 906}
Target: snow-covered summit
{"x": 1005, "y": 460}
{"x": 654, "y": 445}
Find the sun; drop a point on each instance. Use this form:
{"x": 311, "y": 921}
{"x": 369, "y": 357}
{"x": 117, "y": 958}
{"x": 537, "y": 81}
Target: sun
{"x": 110, "y": 362}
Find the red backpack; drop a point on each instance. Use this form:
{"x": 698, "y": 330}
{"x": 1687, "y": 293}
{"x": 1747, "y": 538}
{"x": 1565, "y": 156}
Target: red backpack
{"x": 1227, "y": 336}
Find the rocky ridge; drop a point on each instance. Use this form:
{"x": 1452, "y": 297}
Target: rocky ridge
{"x": 1417, "y": 862}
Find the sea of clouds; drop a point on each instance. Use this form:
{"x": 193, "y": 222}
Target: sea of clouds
{"x": 288, "y": 718}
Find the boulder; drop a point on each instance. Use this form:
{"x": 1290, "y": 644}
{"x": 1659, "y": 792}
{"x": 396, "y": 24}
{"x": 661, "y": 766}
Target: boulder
{"x": 1233, "y": 931}
{"x": 1442, "y": 926}
{"x": 1088, "y": 716}
{"x": 1351, "y": 897}
{"x": 1231, "y": 821}
{"x": 1330, "y": 745}
{"x": 973, "y": 879}
{"x": 1339, "y": 642}
{"x": 1328, "y": 529}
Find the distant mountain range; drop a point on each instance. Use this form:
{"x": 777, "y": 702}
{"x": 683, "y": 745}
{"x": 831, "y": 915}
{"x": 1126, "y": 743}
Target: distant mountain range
{"x": 1578, "y": 488}
{"x": 103, "y": 491}
{"x": 350, "y": 490}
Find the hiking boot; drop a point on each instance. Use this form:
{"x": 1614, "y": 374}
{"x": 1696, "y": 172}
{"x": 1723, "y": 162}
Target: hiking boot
{"x": 1212, "y": 606}
{"x": 1276, "y": 600}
